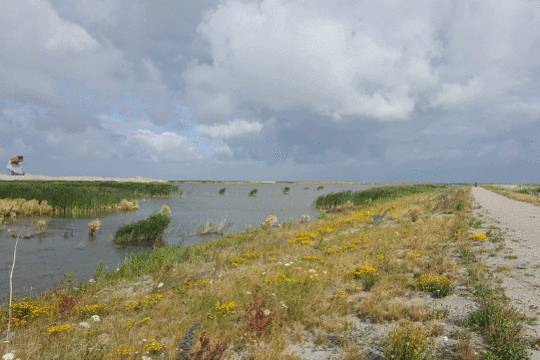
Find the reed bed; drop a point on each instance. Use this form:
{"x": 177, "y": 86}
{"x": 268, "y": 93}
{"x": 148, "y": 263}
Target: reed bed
{"x": 66, "y": 197}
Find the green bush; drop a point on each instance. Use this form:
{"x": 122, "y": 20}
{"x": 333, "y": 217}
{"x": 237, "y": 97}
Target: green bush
{"x": 149, "y": 230}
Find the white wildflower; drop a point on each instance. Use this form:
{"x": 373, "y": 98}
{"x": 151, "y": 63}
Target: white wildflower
{"x": 312, "y": 270}
{"x": 266, "y": 312}
{"x": 95, "y": 318}
{"x": 8, "y": 356}
{"x": 160, "y": 285}
{"x": 287, "y": 264}
{"x": 84, "y": 324}
{"x": 91, "y": 280}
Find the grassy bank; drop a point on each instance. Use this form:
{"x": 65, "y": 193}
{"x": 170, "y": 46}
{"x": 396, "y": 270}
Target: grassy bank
{"x": 374, "y": 194}
{"x": 517, "y": 192}
{"x": 371, "y": 280}
{"x": 66, "y": 197}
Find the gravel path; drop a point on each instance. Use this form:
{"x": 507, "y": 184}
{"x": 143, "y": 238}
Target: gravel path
{"x": 518, "y": 264}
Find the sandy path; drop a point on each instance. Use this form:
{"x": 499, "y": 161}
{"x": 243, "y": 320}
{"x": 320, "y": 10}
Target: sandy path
{"x": 520, "y": 226}
{"x": 76, "y": 178}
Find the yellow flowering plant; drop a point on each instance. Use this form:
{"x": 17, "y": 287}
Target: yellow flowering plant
{"x": 439, "y": 286}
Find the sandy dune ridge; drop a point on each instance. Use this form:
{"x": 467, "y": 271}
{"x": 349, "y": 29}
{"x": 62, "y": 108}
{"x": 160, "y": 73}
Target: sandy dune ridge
{"x": 77, "y": 178}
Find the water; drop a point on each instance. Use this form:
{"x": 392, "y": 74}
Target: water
{"x": 65, "y": 244}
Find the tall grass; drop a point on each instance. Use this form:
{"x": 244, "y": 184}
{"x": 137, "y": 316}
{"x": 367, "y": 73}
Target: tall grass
{"x": 374, "y": 194}
{"x": 82, "y": 196}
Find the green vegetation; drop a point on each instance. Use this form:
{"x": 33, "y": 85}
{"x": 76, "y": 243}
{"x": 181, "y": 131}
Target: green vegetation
{"x": 286, "y": 190}
{"x": 82, "y": 196}
{"x": 146, "y": 231}
{"x": 259, "y": 293}
{"x": 374, "y": 194}
{"x": 253, "y": 192}
{"x": 320, "y": 187}
{"x": 222, "y": 191}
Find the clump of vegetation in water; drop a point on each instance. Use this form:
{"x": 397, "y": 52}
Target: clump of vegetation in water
{"x": 286, "y": 190}
{"x": 253, "y": 192}
{"x": 146, "y": 231}
{"x": 93, "y": 226}
{"x": 222, "y": 191}
{"x": 320, "y": 187}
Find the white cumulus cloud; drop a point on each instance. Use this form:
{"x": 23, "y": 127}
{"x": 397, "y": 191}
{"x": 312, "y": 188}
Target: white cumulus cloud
{"x": 232, "y": 128}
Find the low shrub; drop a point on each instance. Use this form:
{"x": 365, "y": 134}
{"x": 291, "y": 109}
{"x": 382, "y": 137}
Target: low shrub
{"x": 408, "y": 342}
{"x": 148, "y": 230}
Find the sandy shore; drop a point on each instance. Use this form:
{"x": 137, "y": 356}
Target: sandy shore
{"x": 76, "y": 178}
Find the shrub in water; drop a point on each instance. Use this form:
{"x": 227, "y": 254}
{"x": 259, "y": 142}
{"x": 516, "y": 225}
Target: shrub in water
{"x": 148, "y": 230}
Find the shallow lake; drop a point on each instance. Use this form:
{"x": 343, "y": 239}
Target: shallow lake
{"x": 66, "y": 245}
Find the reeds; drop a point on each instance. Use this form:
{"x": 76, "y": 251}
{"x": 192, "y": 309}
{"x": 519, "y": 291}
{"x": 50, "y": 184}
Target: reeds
{"x": 213, "y": 228}
{"x": 146, "y": 231}
{"x": 222, "y": 191}
{"x": 46, "y": 197}
{"x": 253, "y": 192}
{"x": 373, "y": 194}
{"x": 286, "y": 190}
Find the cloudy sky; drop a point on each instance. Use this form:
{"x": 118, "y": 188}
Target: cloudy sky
{"x": 321, "y": 90}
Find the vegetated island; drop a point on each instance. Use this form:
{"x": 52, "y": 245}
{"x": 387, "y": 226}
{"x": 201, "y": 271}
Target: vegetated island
{"x": 36, "y": 197}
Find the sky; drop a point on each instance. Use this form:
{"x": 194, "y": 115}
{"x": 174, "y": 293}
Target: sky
{"x": 297, "y": 90}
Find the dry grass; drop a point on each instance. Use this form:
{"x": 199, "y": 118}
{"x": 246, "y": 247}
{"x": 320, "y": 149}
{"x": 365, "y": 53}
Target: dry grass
{"x": 128, "y": 205}
{"x": 511, "y": 193}
{"x": 258, "y": 292}
{"x": 93, "y": 226}
{"x": 13, "y": 207}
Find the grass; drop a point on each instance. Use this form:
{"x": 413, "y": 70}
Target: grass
{"x": 66, "y": 197}
{"x": 286, "y": 190}
{"x": 253, "y": 192}
{"x": 373, "y": 194}
{"x": 261, "y": 291}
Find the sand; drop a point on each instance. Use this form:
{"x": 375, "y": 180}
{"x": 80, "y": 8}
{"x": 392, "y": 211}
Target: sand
{"x": 76, "y": 178}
